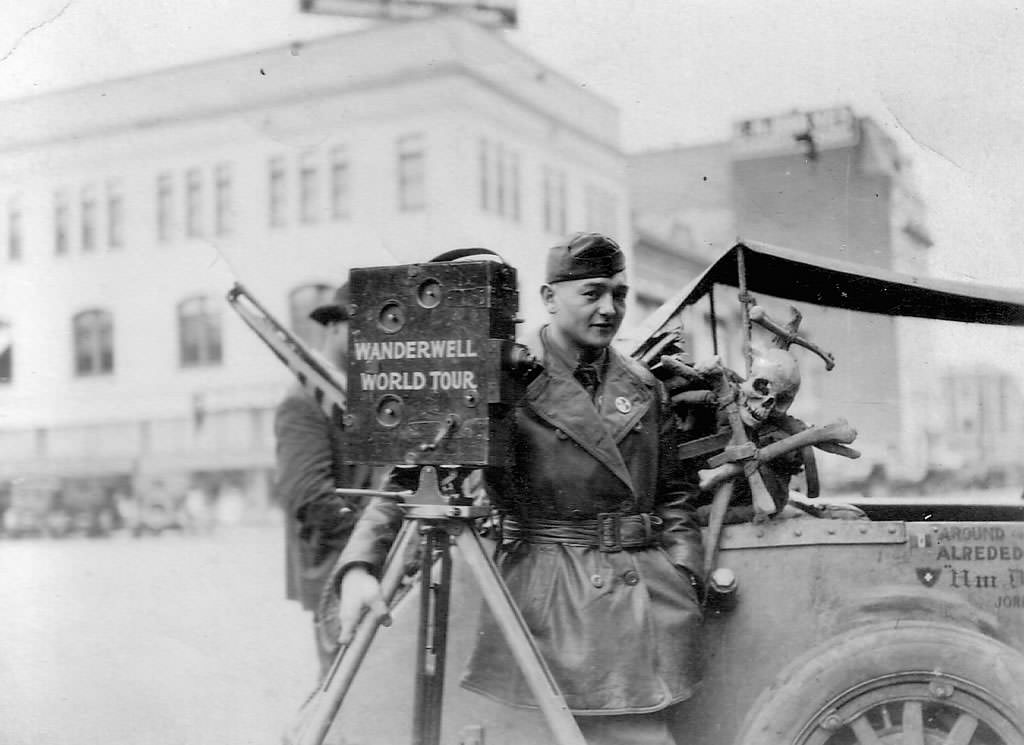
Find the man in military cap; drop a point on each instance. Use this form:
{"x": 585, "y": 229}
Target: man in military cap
{"x": 600, "y": 548}
{"x": 309, "y": 468}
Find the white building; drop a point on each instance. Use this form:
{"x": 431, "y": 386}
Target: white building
{"x": 982, "y": 424}
{"x": 130, "y": 207}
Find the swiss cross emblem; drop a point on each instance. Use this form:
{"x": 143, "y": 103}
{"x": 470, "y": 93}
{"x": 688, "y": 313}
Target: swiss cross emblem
{"x": 928, "y": 576}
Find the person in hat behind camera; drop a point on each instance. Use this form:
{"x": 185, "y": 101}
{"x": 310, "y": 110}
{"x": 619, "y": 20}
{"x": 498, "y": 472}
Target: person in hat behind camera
{"x": 309, "y": 468}
{"x": 600, "y": 548}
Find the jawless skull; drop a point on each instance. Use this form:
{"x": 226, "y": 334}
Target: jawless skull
{"x": 771, "y": 387}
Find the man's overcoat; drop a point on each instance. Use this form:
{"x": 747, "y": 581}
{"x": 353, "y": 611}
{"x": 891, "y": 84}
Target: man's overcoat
{"x": 309, "y": 468}
{"x": 618, "y": 629}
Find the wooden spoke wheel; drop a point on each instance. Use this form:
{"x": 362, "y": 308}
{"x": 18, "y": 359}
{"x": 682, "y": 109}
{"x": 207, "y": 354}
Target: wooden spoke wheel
{"x": 916, "y": 683}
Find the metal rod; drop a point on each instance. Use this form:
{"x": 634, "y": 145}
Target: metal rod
{"x": 745, "y": 299}
{"x": 714, "y": 320}
{"x": 432, "y": 637}
{"x": 442, "y": 604}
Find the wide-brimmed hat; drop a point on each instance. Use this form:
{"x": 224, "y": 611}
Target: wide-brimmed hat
{"x": 337, "y": 310}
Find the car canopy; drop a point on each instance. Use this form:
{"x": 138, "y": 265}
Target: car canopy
{"x": 801, "y": 277}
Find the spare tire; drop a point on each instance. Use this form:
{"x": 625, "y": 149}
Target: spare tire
{"x": 910, "y": 683}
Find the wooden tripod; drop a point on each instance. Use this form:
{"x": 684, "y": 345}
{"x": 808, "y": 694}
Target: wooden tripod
{"x": 439, "y": 523}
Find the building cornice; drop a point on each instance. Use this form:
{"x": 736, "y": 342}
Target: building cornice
{"x": 330, "y": 67}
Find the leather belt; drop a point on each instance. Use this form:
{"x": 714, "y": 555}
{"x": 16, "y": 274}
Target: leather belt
{"x": 610, "y": 531}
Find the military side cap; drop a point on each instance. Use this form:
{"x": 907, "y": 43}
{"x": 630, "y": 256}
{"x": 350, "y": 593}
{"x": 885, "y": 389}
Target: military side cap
{"x": 336, "y": 310}
{"x": 584, "y": 256}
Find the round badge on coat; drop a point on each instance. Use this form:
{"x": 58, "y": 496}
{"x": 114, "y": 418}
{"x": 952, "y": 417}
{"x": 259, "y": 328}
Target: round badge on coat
{"x": 623, "y": 405}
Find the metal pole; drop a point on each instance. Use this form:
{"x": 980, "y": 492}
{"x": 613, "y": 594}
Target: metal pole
{"x": 745, "y": 299}
{"x": 714, "y": 319}
{"x": 433, "y": 637}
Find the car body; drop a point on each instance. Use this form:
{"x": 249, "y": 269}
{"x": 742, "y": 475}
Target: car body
{"x": 907, "y": 627}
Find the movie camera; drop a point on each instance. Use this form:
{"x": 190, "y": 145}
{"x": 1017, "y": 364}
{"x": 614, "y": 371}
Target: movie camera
{"x": 433, "y": 367}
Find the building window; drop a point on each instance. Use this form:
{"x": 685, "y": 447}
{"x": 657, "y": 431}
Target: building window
{"x": 199, "y": 334}
{"x": 88, "y": 220}
{"x": 93, "y": 334}
{"x": 341, "y": 207}
{"x": 411, "y": 174}
{"x": 309, "y": 188}
{"x": 6, "y": 353}
{"x": 600, "y": 209}
{"x": 194, "y": 203}
{"x": 223, "y": 199}
{"x": 164, "y": 206}
{"x": 277, "y": 192}
{"x": 301, "y": 302}
{"x": 14, "y": 236}
{"x": 61, "y": 223}
{"x": 484, "y": 161}
{"x": 555, "y": 196}
{"x": 499, "y": 180}
{"x": 514, "y": 191}
{"x": 115, "y": 216}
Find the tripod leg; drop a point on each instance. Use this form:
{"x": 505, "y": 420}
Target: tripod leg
{"x": 524, "y": 649}
{"x": 322, "y": 708}
{"x": 433, "y": 637}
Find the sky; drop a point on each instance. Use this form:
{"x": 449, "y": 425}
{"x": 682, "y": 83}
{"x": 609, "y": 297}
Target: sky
{"x": 944, "y": 78}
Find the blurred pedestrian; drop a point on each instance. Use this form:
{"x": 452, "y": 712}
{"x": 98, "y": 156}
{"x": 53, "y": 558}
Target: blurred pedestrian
{"x": 318, "y": 522}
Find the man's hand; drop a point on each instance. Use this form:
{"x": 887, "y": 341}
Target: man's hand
{"x": 360, "y": 592}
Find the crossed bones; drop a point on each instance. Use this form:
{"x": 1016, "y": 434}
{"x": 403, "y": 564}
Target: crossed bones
{"x": 741, "y": 457}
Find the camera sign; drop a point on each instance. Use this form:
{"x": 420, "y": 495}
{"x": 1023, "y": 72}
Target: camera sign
{"x": 417, "y": 380}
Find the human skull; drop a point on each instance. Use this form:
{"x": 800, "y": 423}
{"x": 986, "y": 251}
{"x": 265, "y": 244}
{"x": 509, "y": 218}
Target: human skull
{"x": 771, "y": 386}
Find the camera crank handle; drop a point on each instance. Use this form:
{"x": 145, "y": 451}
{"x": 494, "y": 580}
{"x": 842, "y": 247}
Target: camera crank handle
{"x": 446, "y": 430}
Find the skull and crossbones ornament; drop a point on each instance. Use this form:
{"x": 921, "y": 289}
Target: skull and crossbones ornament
{"x": 771, "y": 386}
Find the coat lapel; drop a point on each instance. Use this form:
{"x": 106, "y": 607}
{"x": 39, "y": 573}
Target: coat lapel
{"x": 624, "y": 398}
{"x": 561, "y": 401}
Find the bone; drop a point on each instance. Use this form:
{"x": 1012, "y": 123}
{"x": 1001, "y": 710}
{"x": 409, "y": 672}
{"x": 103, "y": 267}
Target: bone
{"x": 759, "y": 316}
{"x": 838, "y": 431}
{"x": 792, "y": 425}
{"x": 678, "y": 367}
{"x": 695, "y": 398}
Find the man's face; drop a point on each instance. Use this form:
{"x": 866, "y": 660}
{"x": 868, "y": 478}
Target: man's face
{"x": 586, "y": 313}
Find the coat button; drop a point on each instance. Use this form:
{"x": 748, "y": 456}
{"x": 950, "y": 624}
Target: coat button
{"x": 625, "y": 505}
{"x": 597, "y": 580}
{"x": 631, "y": 577}
{"x": 561, "y": 435}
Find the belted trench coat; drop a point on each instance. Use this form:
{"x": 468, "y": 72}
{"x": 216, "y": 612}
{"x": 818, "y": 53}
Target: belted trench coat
{"x": 618, "y": 629}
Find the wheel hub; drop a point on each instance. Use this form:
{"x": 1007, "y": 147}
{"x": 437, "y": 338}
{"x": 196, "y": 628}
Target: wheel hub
{"x": 913, "y": 708}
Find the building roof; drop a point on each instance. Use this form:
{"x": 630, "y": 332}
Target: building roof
{"x": 382, "y": 55}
